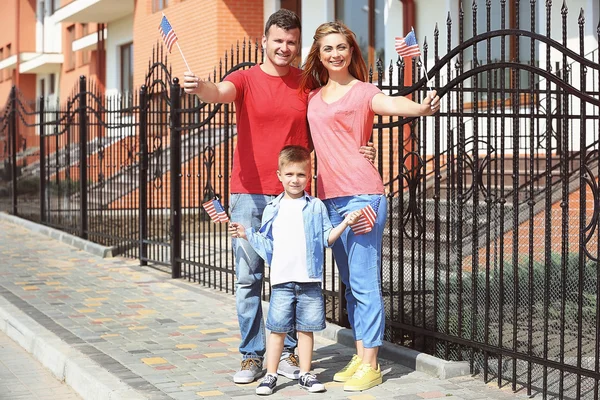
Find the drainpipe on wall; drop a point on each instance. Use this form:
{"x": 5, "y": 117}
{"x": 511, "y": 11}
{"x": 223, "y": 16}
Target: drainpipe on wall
{"x": 17, "y": 42}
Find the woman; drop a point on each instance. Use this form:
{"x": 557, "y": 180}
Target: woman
{"x": 340, "y": 114}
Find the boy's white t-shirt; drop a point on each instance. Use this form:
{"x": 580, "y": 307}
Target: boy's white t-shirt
{"x": 289, "y": 244}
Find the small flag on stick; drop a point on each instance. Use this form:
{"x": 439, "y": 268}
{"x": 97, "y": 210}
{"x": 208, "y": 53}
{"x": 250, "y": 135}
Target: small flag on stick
{"x": 167, "y": 33}
{"x": 169, "y": 37}
{"x": 367, "y": 219}
{"x": 215, "y": 211}
{"x": 408, "y": 47}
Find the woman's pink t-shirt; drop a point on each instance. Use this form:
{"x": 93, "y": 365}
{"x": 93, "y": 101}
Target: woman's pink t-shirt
{"x": 338, "y": 130}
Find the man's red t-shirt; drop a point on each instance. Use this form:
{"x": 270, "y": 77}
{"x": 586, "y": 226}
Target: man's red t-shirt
{"x": 270, "y": 114}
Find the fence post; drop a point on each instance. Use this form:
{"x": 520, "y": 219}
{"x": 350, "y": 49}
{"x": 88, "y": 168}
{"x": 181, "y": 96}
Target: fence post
{"x": 12, "y": 133}
{"x": 175, "y": 179}
{"x": 143, "y": 176}
{"x": 42, "y": 162}
{"x": 83, "y": 137}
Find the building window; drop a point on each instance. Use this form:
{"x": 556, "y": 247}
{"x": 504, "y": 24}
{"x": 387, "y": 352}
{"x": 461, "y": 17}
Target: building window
{"x": 52, "y": 85}
{"x": 51, "y": 7}
{"x": 69, "y": 55}
{"x": 42, "y": 87}
{"x": 158, "y": 5}
{"x": 85, "y": 54}
{"x": 8, "y": 52}
{"x": 365, "y": 18}
{"x": 127, "y": 68}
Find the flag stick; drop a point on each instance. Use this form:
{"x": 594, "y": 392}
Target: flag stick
{"x": 184, "y": 60}
{"x": 427, "y": 77}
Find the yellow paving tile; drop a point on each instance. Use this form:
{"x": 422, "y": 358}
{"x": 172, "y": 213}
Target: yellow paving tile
{"x": 136, "y": 301}
{"x": 186, "y": 346}
{"x": 93, "y": 304}
{"x": 53, "y": 283}
{"x": 83, "y": 290}
{"x": 333, "y": 384}
{"x": 188, "y": 327}
{"x": 154, "y": 361}
{"x": 21, "y": 283}
{"x": 217, "y": 330}
{"x": 137, "y": 328}
{"x": 187, "y": 384}
{"x": 103, "y": 291}
{"x": 210, "y": 393}
{"x": 86, "y": 310}
{"x": 146, "y": 312}
{"x": 362, "y": 397}
{"x": 233, "y": 349}
{"x": 229, "y": 339}
{"x": 193, "y": 314}
{"x": 231, "y": 323}
{"x": 96, "y": 299}
{"x": 30, "y": 288}
{"x": 215, "y": 355}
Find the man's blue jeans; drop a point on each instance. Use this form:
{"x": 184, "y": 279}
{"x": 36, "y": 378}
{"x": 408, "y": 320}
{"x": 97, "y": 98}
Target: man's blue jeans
{"x": 358, "y": 259}
{"x": 247, "y": 209}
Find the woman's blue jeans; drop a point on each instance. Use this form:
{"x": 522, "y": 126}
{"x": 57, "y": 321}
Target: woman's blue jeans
{"x": 247, "y": 209}
{"x": 358, "y": 259}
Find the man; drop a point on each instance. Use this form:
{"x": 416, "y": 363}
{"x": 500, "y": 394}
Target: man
{"x": 271, "y": 114}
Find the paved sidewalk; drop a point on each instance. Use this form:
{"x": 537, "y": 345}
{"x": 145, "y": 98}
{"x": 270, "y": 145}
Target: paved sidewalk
{"x": 113, "y": 329}
{"x": 23, "y": 378}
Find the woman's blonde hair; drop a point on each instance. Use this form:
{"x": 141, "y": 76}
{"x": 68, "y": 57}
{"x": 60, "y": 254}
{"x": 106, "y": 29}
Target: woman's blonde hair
{"x": 314, "y": 73}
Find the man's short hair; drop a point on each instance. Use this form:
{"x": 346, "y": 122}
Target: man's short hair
{"x": 293, "y": 154}
{"x": 284, "y": 19}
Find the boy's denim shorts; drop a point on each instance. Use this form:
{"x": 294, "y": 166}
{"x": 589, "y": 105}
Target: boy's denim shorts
{"x": 296, "y": 306}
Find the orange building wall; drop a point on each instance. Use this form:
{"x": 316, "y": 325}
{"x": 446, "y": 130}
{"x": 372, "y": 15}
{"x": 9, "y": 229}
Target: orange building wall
{"x": 9, "y": 36}
{"x": 197, "y": 25}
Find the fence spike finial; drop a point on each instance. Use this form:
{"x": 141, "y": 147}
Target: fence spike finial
{"x": 564, "y": 10}
{"x": 449, "y": 19}
{"x": 581, "y": 19}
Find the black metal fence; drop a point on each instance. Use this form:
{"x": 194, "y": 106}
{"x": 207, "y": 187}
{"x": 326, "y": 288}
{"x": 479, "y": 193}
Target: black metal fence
{"x": 491, "y": 250}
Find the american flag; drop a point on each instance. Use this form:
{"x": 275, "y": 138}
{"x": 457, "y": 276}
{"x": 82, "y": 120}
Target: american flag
{"x": 408, "y": 46}
{"x": 167, "y": 33}
{"x": 367, "y": 219}
{"x": 215, "y": 211}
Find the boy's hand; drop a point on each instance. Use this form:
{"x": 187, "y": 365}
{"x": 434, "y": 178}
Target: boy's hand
{"x": 352, "y": 218}
{"x": 369, "y": 152}
{"x": 237, "y": 231}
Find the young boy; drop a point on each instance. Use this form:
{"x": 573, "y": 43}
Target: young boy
{"x": 295, "y": 229}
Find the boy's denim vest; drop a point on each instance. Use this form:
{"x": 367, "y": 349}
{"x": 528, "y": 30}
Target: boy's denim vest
{"x": 316, "y": 229}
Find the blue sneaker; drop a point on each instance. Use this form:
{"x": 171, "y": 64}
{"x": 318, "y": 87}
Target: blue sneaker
{"x": 311, "y": 383}
{"x": 266, "y": 386}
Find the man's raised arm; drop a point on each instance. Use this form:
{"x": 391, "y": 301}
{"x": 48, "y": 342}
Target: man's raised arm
{"x": 207, "y": 91}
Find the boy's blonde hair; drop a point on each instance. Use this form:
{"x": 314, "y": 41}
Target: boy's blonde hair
{"x": 293, "y": 154}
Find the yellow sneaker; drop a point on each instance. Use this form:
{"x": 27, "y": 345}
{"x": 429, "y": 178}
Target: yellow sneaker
{"x": 346, "y": 373}
{"x": 364, "y": 378}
